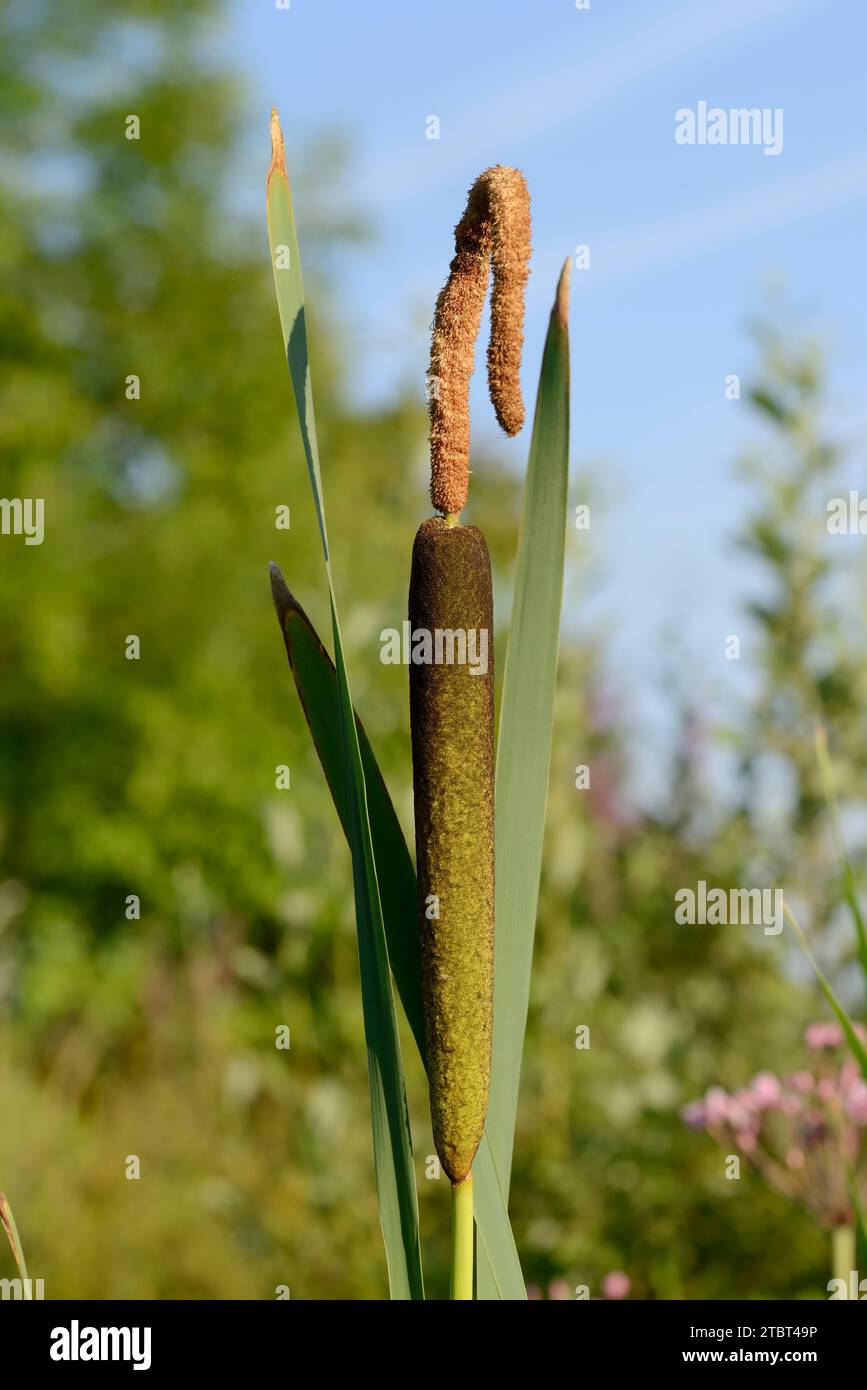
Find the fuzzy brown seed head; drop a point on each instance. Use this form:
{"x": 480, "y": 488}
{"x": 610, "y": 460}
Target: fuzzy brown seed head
{"x": 495, "y": 229}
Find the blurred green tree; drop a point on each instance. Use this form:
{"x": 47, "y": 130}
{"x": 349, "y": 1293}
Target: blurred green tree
{"x": 145, "y": 398}
{"x": 808, "y": 658}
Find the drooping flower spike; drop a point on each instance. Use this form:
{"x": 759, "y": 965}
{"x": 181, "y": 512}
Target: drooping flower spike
{"x": 494, "y": 231}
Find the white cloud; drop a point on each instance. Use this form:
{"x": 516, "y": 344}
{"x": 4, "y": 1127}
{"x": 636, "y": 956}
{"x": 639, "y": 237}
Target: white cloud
{"x": 777, "y": 202}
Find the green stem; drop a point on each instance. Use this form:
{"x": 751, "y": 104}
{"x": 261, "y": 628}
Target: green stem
{"x": 843, "y": 1252}
{"x": 7, "y": 1221}
{"x": 462, "y": 1239}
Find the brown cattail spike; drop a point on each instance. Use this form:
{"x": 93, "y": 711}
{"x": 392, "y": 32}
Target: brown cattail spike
{"x": 451, "y": 707}
{"x": 495, "y": 228}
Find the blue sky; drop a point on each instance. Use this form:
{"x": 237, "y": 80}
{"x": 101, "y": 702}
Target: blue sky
{"x": 684, "y": 241}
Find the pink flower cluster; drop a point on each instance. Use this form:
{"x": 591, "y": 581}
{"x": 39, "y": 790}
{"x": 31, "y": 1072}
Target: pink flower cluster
{"x": 804, "y": 1132}
{"x": 615, "y": 1285}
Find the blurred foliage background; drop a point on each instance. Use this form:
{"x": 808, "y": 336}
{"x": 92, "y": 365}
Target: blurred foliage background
{"x": 156, "y": 777}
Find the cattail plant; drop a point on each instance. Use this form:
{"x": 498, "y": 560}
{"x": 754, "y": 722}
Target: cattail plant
{"x": 444, "y": 974}
{"x": 452, "y": 704}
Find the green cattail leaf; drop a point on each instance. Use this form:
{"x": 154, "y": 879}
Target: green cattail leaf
{"x": 317, "y": 689}
{"x": 856, "y": 1047}
{"x": 524, "y": 737}
{"x": 316, "y": 682}
{"x": 848, "y": 881}
{"x": 395, "y": 1175}
{"x": 858, "y": 1209}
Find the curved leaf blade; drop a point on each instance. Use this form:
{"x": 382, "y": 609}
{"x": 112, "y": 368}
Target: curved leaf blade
{"x": 524, "y": 737}
{"x": 392, "y": 1145}
{"x": 315, "y": 679}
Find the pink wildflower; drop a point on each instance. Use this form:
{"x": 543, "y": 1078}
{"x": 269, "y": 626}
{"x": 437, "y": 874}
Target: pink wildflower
{"x": 616, "y": 1284}
{"x": 766, "y": 1089}
{"x": 804, "y": 1132}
